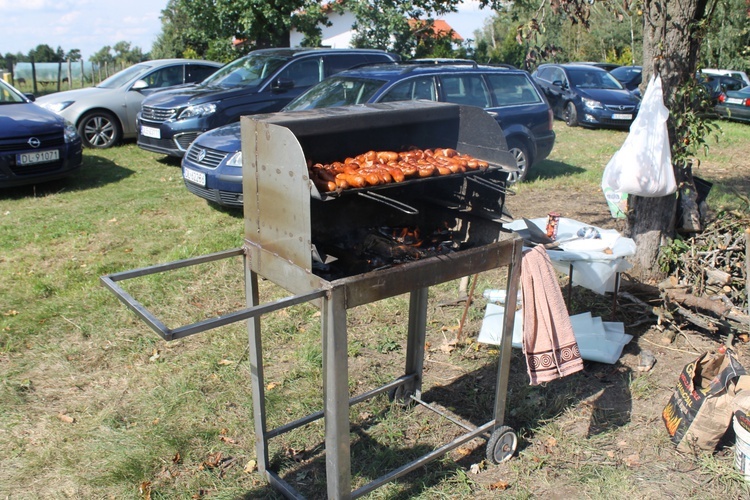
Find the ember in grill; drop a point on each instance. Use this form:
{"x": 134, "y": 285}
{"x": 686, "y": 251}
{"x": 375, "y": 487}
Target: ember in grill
{"x": 370, "y": 249}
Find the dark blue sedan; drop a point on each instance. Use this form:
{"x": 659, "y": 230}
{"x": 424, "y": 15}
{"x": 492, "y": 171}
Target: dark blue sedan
{"x": 36, "y": 145}
{"x": 585, "y": 95}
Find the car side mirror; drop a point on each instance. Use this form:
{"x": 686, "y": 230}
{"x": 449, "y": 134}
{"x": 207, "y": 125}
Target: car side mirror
{"x": 30, "y": 97}
{"x": 139, "y": 85}
{"x": 282, "y": 84}
{"x": 560, "y": 84}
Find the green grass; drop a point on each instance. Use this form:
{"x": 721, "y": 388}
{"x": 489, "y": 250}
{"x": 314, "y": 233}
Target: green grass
{"x": 145, "y": 410}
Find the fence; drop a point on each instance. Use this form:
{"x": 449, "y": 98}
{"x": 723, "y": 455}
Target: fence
{"x": 57, "y": 75}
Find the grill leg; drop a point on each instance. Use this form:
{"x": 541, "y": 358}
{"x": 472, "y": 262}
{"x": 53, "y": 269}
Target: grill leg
{"x": 415, "y": 343}
{"x": 256, "y": 371}
{"x": 336, "y": 395}
{"x": 503, "y": 365}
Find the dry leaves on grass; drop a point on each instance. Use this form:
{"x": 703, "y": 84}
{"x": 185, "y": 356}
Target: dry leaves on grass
{"x": 66, "y": 418}
{"x": 144, "y": 489}
{"x": 499, "y": 486}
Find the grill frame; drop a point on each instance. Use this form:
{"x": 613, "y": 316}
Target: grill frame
{"x": 278, "y": 246}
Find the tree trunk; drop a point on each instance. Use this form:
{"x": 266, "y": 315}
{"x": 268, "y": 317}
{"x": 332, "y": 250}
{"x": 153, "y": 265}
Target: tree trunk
{"x": 671, "y": 43}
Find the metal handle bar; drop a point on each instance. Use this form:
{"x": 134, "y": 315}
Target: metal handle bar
{"x": 109, "y": 281}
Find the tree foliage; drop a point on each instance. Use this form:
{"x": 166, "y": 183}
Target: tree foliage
{"x": 208, "y": 28}
{"x": 525, "y": 34}
{"x": 727, "y": 42}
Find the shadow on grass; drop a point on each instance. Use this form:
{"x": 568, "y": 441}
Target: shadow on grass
{"x": 549, "y": 169}
{"x": 94, "y": 173}
{"x": 370, "y": 460}
{"x": 595, "y": 401}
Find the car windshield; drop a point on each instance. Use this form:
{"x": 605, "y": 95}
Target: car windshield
{"x": 588, "y": 79}
{"x": 9, "y": 95}
{"x": 124, "y": 76}
{"x": 336, "y": 91}
{"x": 247, "y": 71}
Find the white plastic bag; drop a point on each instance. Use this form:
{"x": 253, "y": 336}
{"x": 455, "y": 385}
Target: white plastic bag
{"x": 643, "y": 165}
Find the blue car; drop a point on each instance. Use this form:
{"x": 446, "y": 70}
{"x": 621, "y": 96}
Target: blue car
{"x": 582, "y": 94}
{"x": 263, "y": 81}
{"x": 36, "y": 145}
{"x": 212, "y": 166}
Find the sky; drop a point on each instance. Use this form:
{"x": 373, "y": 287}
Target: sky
{"x": 89, "y": 25}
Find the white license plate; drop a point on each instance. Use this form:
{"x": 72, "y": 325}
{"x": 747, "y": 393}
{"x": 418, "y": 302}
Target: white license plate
{"x": 38, "y": 157}
{"x": 194, "y": 176}
{"x": 618, "y": 116}
{"x": 734, "y": 100}
{"x": 152, "y": 132}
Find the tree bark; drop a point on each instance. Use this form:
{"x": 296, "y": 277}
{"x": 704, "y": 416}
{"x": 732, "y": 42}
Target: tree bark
{"x": 670, "y": 49}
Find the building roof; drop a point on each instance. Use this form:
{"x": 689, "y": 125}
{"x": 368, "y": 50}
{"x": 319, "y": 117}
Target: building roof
{"x": 439, "y": 27}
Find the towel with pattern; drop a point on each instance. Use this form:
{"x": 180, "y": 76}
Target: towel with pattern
{"x": 549, "y": 344}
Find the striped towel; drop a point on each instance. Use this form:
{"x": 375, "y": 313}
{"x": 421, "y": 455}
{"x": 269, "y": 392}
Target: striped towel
{"x": 549, "y": 343}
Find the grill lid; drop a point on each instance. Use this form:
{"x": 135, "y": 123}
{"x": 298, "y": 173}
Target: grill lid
{"x": 276, "y": 148}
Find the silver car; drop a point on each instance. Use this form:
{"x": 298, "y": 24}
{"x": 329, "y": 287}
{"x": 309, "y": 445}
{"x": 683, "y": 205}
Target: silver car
{"x": 105, "y": 114}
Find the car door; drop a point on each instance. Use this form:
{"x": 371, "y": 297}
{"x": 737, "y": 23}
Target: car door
{"x": 466, "y": 89}
{"x": 554, "y": 83}
{"x": 198, "y": 72}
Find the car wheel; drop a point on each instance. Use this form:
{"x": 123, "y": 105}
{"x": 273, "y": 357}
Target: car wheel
{"x": 521, "y": 155}
{"x": 570, "y": 115}
{"x": 99, "y": 130}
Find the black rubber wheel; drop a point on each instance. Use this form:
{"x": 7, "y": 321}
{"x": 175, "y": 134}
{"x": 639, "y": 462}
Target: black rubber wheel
{"x": 502, "y": 445}
{"x": 99, "y": 130}
{"x": 523, "y": 161}
{"x": 400, "y": 396}
{"x": 570, "y": 115}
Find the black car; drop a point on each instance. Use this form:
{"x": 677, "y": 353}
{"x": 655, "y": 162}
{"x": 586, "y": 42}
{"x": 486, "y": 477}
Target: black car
{"x": 583, "y": 94}
{"x": 604, "y": 65}
{"x": 735, "y": 105}
{"x": 212, "y": 167}
{"x": 630, "y": 76}
{"x": 263, "y": 81}
{"x": 719, "y": 84}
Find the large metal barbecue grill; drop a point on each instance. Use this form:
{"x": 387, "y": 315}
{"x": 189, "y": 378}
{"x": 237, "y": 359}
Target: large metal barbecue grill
{"x": 310, "y": 243}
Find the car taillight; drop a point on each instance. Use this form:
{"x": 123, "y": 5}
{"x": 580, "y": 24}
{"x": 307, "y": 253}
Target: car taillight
{"x": 746, "y": 102}
{"x": 722, "y": 98}
{"x": 551, "y": 118}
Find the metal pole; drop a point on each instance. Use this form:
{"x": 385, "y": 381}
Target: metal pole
{"x": 503, "y": 365}
{"x": 336, "y": 394}
{"x": 415, "y": 342}
{"x": 255, "y": 347}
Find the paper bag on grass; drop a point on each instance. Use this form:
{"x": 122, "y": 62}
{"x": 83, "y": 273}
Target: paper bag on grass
{"x": 700, "y": 410}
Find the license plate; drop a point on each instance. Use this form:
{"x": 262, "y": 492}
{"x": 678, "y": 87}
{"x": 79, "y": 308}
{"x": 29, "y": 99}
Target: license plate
{"x": 38, "y": 157}
{"x": 734, "y": 100}
{"x": 194, "y": 176}
{"x": 618, "y": 116}
{"x": 152, "y": 132}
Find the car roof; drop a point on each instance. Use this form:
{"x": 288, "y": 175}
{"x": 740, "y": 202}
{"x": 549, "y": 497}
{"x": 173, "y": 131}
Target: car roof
{"x": 576, "y": 65}
{"x": 301, "y": 51}
{"x": 177, "y": 60}
{"x": 388, "y": 71}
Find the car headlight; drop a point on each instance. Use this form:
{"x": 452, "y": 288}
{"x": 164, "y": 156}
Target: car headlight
{"x": 57, "y": 107}
{"x": 198, "y": 110}
{"x": 70, "y": 132}
{"x": 592, "y": 104}
{"x": 235, "y": 160}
